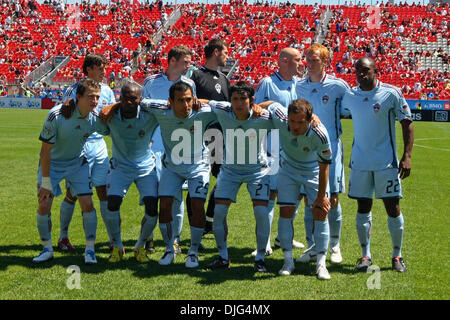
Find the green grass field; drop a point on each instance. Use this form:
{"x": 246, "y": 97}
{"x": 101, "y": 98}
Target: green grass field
{"x": 426, "y": 242}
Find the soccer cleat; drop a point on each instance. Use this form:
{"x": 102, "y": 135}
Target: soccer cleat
{"x": 116, "y": 255}
{"x": 308, "y": 256}
{"x": 192, "y": 261}
{"x": 44, "y": 256}
{"x": 398, "y": 264}
{"x": 269, "y": 251}
{"x": 150, "y": 246}
{"x": 322, "y": 273}
{"x": 363, "y": 264}
{"x": 89, "y": 257}
{"x": 295, "y": 244}
{"x": 141, "y": 255}
{"x": 167, "y": 258}
{"x": 65, "y": 245}
{"x": 335, "y": 255}
{"x": 288, "y": 268}
{"x": 176, "y": 247}
{"x": 219, "y": 264}
{"x": 260, "y": 266}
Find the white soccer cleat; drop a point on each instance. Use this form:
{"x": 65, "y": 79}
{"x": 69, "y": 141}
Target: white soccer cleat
{"x": 89, "y": 257}
{"x": 192, "y": 261}
{"x": 167, "y": 258}
{"x": 308, "y": 256}
{"x": 45, "y": 255}
{"x": 335, "y": 255}
{"x": 288, "y": 268}
{"x": 322, "y": 273}
{"x": 297, "y": 244}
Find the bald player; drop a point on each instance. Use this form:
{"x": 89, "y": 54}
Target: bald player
{"x": 280, "y": 87}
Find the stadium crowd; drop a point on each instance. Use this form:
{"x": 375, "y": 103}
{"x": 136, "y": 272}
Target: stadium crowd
{"x": 31, "y": 33}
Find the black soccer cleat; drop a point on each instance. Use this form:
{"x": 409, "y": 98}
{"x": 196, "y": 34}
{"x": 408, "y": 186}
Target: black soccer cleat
{"x": 363, "y": 264}
{"x": 219, "y": 264}
{"x": 398, "y": 264}
{"x": 260, "y": 266}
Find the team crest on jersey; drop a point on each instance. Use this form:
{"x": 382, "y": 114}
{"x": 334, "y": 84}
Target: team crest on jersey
{"x": 406, "y": 108}
{"x": 48, "y": 131}
{"x": 78, "y": 127}
{"x": 314, "y": 90}
{"x": 325, "y": 99}
{"x": 218, "y": 87}
{"x": 366, "y": 99}
{"x": 376, "y": 107}
{"x": 141, "y": 133}
{"x": 306, "y": 149}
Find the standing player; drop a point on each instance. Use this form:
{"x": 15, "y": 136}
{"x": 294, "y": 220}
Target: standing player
{"x": 374, "y": 107}
{"x": 176, "y": 116}
{"x": 94, "y": 66}
{"x": 212, "y": 84}
{"x": 132, "y": 160}
{"x": 157, "y": 87}
{"x": 242, "y": 164}
{"x": 63, "y": 139}
{"x": 279, "y": 87}
{"x": 325, "y": 93}
{"x": 305, "y": 158}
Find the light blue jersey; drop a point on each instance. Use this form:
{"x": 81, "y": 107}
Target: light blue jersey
{"x": 300, "y": 154}
{"x": 243, "y": 153}
{"x": 195, "y": 124}
{"x": 157, "y": 87}
{"x": 131, "y": 138}
{"x": 67, "y": 136}
{"x": 325, "y": 96}
{"x": 374, "y": 113}
{"x": 275, "y": 88}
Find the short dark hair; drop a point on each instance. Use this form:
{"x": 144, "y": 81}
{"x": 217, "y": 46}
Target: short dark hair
{"x": 212, "y": 45}
{"x": 178, "y": 51}
{"x": 93, "y": 59}
{"x": 86, "y": 84}
{"x": 242, "y": 87}
{"x": 301, "y": 105}
{"x": 179, "y": 86}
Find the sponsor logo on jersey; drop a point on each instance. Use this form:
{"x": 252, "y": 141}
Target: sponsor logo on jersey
{"x": 376, "y": 107}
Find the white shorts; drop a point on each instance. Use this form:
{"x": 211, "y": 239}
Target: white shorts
{"x": 386, "y": 184}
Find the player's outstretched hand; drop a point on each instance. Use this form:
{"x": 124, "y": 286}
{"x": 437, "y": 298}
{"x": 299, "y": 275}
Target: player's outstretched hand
{"x": 67, "y": 108}
{"x": 315, "y": 121}
{"x": 107, "y": 112}
{"x": 404, "y": 169}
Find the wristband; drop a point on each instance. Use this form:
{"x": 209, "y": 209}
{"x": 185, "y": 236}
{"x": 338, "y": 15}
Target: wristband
{"x": 46, "y": 183}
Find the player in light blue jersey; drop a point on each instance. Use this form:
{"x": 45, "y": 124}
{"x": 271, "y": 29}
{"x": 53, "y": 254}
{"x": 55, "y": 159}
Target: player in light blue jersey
{"x": 61, "y": 158}
{"x": 157, "y": 87}
{"x": 243, "y": 163}
{"x": 279, "y": 87}
{"x": 374, "y": 107}
{"x": 94, "y": 149}
{"x": 184, "y": 160}
{"x": 304, "y": 166}
{"x": 325, "y": 93}
{"x": 131, "y": 130}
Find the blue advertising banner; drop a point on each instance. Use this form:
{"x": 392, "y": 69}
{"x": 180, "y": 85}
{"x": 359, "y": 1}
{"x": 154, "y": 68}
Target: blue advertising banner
{"x": 429, "y": 104}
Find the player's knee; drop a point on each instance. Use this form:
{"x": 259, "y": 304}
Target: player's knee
{"x": 198, "y": 206}
{"x": 364, "y": 205}
{"x": 165, "y": 206}
{"x": 114, "y": 203}
{"x": 86, "y": 204}
{"x": 101, "y": 193}
{"x": 392, "y": 207}
{"x": 151, "y": 206}
{"x": 319, "y": 214}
